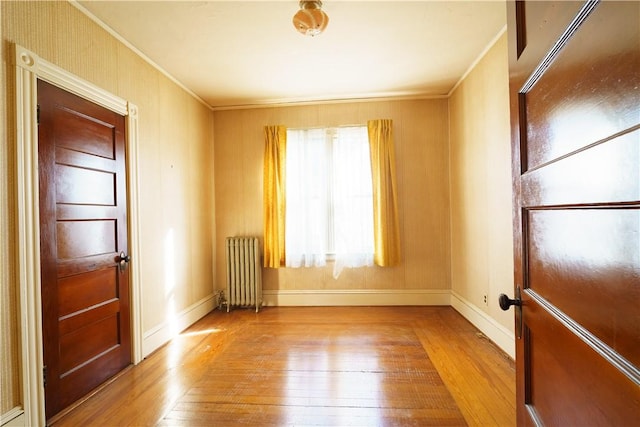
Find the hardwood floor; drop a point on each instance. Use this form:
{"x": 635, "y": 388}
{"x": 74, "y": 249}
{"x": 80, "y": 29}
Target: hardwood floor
{"x": 340, "y": 366}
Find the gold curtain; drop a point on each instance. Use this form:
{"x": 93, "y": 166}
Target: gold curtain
{"x": 274, "y": 195}
{"x": 386, "y": 228}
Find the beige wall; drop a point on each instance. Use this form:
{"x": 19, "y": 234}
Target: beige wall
{"x": 481, "y": 235}
{"x": 9, "y": 379}
{"x": 452, "y": 162}
{"x": 175, "y": 151}
{"x": 421, "y": 133}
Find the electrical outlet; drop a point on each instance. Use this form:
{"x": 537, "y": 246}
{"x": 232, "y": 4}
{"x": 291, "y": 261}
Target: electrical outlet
{"x": 484, "y": 298}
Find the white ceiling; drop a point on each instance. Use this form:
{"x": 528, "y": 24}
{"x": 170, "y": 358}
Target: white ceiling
{"x": 237, "y": 53}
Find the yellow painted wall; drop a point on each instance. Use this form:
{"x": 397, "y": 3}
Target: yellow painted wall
{"x": 176, "y": 176}
{"x": 421, "y": 142}
{"x": 481, "y": 234}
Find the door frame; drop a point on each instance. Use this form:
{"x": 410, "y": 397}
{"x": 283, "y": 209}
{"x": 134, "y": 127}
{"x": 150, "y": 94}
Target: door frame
{"x": 29, "y": 67}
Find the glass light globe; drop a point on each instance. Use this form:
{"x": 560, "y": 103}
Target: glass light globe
{"x": 310, "y": 20}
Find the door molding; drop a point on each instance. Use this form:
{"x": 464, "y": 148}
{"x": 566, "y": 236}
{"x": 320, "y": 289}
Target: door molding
{"x": 29, "y": 68}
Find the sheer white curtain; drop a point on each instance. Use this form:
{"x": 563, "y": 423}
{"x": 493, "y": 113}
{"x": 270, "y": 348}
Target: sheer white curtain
{"x": 329, "y": 198}
{"x": 352, "y": 199}
{"x": 306, "y": 198}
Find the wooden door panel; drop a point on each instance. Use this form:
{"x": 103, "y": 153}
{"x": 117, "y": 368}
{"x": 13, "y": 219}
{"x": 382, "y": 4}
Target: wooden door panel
{"x": 90, "y": 132}
{"x": 83, "y": 222}
{"x": 80, "y": 212}
{"x": 605, "y": 173}
{"x": 65, "y": 156}
{"x": 87, "y": 342}
{"x": 589, "y": 92}
{"x": 72, "y": 242}
{"x": 74, "y": 382}
{"x": 570, "y": 383}
{"x": 79, "y": 319}
{"x": 538, "y": 24}
{"x": 84, "y": 186}
{"x": 78, "y": 292}
{"x": 72, "y": 266}
{"x": 574, "y": 72}
{"x": 579, "y": 259}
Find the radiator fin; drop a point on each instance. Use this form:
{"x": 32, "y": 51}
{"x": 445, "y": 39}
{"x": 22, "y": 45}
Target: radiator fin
{"x": 244, "y": 272}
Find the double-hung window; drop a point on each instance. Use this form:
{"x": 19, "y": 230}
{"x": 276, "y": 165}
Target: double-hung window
{"x": 329, "y": 198}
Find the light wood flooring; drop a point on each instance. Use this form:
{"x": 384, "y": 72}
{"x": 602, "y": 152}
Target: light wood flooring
{"x": 328, "y": 366}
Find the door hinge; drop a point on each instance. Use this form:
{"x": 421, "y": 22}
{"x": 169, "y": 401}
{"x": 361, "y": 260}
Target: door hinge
{"x": 38, "y": 114}
{"x": 44, "y": 375}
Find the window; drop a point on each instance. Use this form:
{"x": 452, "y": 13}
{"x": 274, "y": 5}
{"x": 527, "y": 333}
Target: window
{"x": 329, "y": 200}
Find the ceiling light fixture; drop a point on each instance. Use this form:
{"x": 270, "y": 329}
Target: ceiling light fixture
{"x": 310, "y": 20}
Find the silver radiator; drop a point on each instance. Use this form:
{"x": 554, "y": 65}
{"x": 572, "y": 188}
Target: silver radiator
{"x": 244, "y": 272}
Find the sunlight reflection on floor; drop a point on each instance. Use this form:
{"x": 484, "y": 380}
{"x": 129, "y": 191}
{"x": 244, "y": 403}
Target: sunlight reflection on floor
{"x": 203, "y": 332}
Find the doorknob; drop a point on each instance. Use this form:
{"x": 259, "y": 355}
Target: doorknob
{"x": 123, "y": 259}
{"x": 506, "y": 302}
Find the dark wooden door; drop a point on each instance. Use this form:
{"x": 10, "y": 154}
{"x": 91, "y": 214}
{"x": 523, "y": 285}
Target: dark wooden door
{"x": 575, "y": 111}
{"x": 83, "y": 231}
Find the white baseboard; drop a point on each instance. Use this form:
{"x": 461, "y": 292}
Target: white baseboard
{"x": 360, "y": 297}
{"x": 501, "y": 336}
{"x": 13, "y": 418}
{"x": 161, "y": 334}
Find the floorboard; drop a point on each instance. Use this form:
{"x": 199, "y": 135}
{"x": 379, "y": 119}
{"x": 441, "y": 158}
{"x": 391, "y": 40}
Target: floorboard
{"x": 330, "y": 366}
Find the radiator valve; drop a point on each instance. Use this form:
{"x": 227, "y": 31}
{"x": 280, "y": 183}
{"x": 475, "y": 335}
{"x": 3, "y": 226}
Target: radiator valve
{"x": 221, "y": 300}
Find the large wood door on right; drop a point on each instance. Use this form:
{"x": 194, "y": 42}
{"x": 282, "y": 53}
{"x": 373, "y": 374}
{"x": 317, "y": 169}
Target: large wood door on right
{"x": 574, "y": 72}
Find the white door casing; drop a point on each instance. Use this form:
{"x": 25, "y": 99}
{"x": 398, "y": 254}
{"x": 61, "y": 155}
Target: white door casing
{"x": 30, "y": 68}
